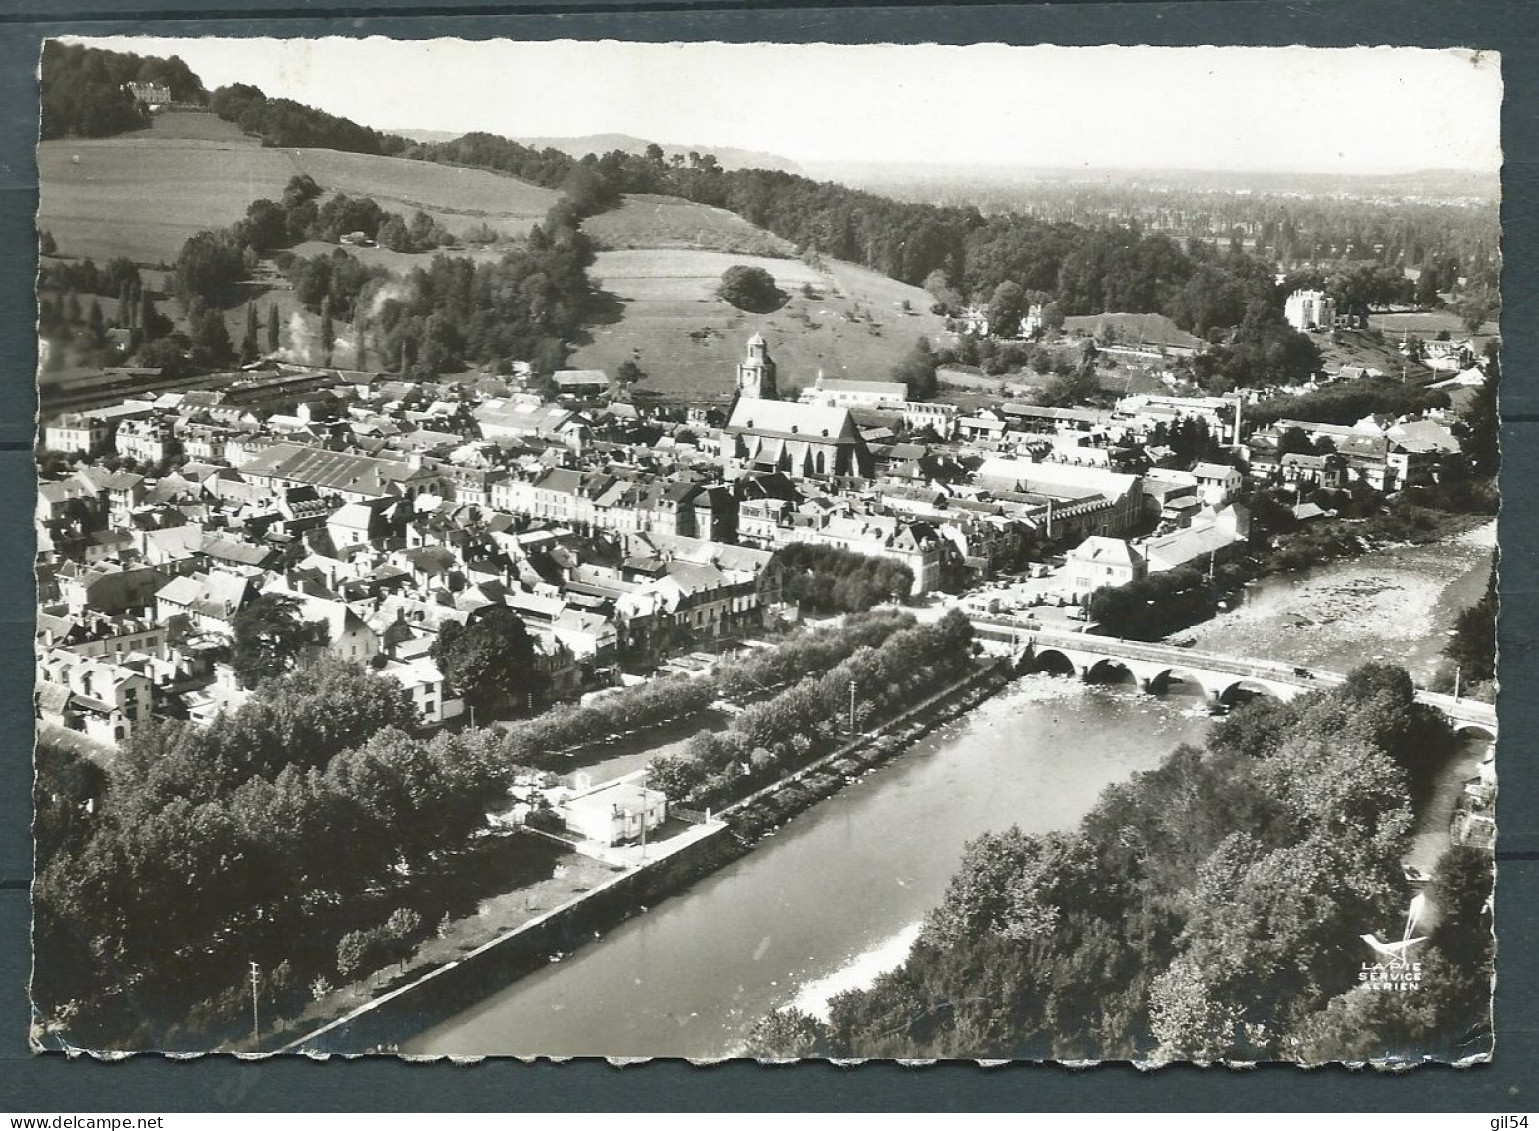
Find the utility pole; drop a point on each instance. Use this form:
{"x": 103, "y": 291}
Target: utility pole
{"x": 256, "y": 1023}
{"x": 852, "y": 706}
{"x": 643, "y": 824}
{"x": 1458, "y": 672}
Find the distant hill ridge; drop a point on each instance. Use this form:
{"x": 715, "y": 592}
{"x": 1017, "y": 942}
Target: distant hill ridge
{"x": 728, "y": 157}
{"x": 919, "y": 180}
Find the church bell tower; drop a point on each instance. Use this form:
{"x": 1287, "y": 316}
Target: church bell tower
{"x": 756, "y": 372}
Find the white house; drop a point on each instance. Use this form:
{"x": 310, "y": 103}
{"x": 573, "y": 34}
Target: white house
{"x": 1218, "y": 483}
{"x": 615, "y": 812}
{"x": 856, "y": 394}
{"x": 103, "y": 699}
{"x": 1310, "y": 310}
{"x": 1098, "y": 562}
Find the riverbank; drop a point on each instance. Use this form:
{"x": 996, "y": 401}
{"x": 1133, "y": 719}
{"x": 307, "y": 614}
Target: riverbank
{"x": 572, "y": 877}
{"x": 825, "y": 894}
{"x": 1393, "y": 603}
{"x": 444, "y": 971}
{"x": 1167, "y": 604}
{"x": 471, "y": 871}
{"x": 831, "y": 898}
{"x": 764, "y": 810}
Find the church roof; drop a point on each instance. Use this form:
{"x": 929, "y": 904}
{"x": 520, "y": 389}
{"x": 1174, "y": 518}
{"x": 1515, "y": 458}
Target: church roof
{"x": 893, "y": 389}
{"x": 790, "y": 420}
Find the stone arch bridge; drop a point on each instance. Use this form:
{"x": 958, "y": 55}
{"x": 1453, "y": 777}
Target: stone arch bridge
{"x": 1222, "y": 679}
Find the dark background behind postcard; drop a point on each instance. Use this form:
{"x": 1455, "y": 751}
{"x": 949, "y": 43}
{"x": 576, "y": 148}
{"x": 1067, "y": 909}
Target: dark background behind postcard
{"x": 216, "y": 1083}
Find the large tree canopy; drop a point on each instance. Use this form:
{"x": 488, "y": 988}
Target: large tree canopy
{"x": 751, "y": 288}
{"x": 1473, "y": 644}
{"x": 917, "y": 371}
{"x": 269, "y": 634}
{"x": 491, "y": 661}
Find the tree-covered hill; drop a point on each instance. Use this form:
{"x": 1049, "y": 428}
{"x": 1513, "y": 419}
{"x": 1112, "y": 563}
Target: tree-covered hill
{"x": 956, "y": 252}
{"x": 84, "y": 91}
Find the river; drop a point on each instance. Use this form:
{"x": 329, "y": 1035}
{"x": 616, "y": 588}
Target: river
{"x": 1394, "y": 604}
{"x": 824, "y": 899}
{"x": 836, "y": 895}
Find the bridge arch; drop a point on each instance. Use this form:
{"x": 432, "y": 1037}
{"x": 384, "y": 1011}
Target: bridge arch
{"x": 1110, "y": 669}
{"x": 1241, "y": 689}
{"x": 1049, "y": 661}
{"x": 1155, "y": 667}
{"x": 1159, "y": 683}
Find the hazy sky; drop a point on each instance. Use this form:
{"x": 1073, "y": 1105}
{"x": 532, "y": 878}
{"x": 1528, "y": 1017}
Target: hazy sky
{"x": 1337, "y": 110}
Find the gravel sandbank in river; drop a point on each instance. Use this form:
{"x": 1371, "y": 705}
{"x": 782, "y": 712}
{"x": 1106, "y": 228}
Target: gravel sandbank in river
{"x": 1393, "y": 604}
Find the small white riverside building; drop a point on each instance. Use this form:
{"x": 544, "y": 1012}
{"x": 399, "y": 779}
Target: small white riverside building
{"x": 614, "y": 812}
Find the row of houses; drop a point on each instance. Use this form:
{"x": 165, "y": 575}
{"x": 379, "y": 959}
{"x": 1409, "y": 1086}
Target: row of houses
{"x": 1386, "y": 455}
{"x": 389, "y": 509}
{"x": 378, "y": 599}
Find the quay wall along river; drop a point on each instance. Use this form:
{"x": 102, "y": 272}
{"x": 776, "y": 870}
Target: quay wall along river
{"x": 506, "y": 959}
{"x": 674, "y": 865}
{"x": 838, "y": 893}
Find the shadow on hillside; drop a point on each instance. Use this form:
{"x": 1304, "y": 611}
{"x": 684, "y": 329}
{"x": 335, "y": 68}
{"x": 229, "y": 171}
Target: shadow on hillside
{"x": 603, "y": 308}
{"x": 756, "y": 303}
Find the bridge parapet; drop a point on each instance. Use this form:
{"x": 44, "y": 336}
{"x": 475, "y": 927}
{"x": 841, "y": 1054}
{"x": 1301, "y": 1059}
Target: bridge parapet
{"x": 1218, "y": 675}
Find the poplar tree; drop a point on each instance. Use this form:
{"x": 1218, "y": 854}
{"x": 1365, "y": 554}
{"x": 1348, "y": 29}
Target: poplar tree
{"x": 328, "y": 336}
{"x": 248, "y": 344}
{"x": 147, "y": 314}
{"x": 97, "y": 323}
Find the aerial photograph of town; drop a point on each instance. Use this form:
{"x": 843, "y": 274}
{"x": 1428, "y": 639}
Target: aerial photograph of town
{"x": 617, "y": 549}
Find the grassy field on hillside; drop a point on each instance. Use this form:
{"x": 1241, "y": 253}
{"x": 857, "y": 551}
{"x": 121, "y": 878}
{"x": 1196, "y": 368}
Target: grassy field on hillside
{"x": 649, "y": 221}
{"x": 457, "y": 198}
{"x": 666, "y": 318}
{"x": 190, "y": 125}
{"x": 1427, "y": 325}
{"x": 144, "y": 194}
{"x": 1353, "y": 347}
{"x": 1118, "y": 377}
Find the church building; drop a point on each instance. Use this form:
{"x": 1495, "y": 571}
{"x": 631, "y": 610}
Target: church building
{"x": 764, "y": 433}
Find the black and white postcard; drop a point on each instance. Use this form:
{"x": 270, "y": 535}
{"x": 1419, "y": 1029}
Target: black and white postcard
{"x": 706, "y": 550}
